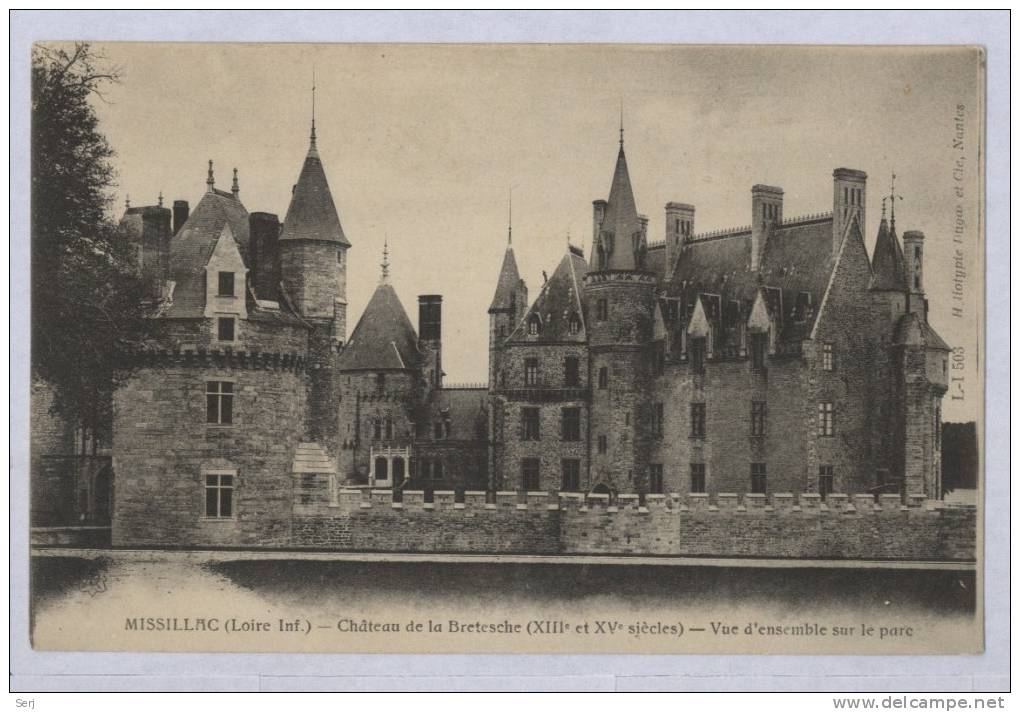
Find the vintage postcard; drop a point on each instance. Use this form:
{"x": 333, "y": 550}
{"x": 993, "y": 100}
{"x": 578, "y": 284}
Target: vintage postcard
{"x": 507, "y": 348}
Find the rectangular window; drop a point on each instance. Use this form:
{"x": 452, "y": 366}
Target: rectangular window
{"x": 828, "y": 363}
{"x": 531, "y": 371}
{"x": 603, "y": 445}
{"x": 389, "y": 428}
{"x": 655, "y": 478}
{"x": 603, "y": 377}
{"x": 571, "y": 475}
{"x": 759, "y": 347}
{"x": 697, "y": 420}
{"x": 219, "y": 402}
{"x": 825, "y": 480}
{"x": 826, "y": 419}
{"x": 759, "y": 481}
{"x": 572, "y": 371}
{"x": 225, "y": 328}
{"x": 437, "y": 469}
{"x": 697, "y": 477}
{"x": 380, "y": 382}
{"x": 658, "y": 416}
{"x": 377, "y": 429}
{"x": 570, "y": 425}
{"x": 698, "y": 355}
{"x": 660, "y": 357}
{"x": 307, "y": 487}
{"x": 759, "y": 412}
{"x": 226, "y": 284}
{"x": 530, "y": 474}
{"x": 219, "y": 496}
{"x": 602, "y": 310}
{"x": 530, "y": 423}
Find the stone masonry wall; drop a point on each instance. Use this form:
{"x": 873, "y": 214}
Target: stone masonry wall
{"x": 779, "y": 526}
{"x": 163, "y": 448}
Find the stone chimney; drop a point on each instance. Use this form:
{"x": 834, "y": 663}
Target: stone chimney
{"x": 679, "y": 228}
{"x": 848, "y": 201}
{"x": 430, "y": 335}
{"x": 264, "y": 237}
{"x": 913, "y": 254}
{"x": 766, "y": 210}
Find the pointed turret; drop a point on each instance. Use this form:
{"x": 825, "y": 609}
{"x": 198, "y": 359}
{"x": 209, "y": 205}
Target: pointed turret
{"x": 507, "y": 285}
{"x": 621, "y": 241}
{"x": 887, "y": 259}
{"x": 312, "y": 214}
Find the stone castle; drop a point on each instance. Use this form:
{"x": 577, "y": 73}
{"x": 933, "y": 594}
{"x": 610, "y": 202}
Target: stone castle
{"x": 773, "y": 363}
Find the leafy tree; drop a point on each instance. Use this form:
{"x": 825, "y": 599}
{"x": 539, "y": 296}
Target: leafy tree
{"x": 87, "y": 307}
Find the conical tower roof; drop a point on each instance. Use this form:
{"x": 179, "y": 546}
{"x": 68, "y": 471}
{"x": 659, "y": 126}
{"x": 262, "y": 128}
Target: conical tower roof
{"x": 312, "y": 214}
{"x": 621, "y": 216}
{"x": 887, "y": 260}
{"x": 508, "y": 283}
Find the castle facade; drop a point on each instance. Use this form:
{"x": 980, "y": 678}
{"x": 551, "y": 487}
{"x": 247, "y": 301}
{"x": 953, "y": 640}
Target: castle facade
{"x": 772, "y": 358}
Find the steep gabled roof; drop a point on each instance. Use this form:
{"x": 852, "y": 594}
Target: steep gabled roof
{"x": 796, "y": 261}
{"x": 559, "y": 300}
{"x": 312, "y": 214}
{"x": 508, "y": 283}
{"x": 887, "y": 260}
{"x": 384, "y": 338}
{"x": 191, "y": 248}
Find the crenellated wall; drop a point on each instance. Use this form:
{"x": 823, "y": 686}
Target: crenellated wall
{"x": 725, "y": 525}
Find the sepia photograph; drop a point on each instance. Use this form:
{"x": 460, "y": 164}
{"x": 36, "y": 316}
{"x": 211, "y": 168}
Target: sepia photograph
{"x": 507, "y": 348}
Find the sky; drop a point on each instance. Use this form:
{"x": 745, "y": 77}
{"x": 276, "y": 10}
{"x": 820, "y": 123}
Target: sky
{"x": 422, "y": 143}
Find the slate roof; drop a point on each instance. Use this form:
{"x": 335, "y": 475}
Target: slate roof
{"x": 655, "y": 260}
{"x": 795, "y": 268}
{"x": 621, "y": 216}
{"x": 312, "y": 214}
{"x": 384, "y": 338}
{"x": 508, "y": 283}
{"x": 559, "y": 299}
{"x": 887, "y": 260}
{"x": 192, "y": 246}
{"x": 465, "y": 409}
{"x": 914, "y": 326}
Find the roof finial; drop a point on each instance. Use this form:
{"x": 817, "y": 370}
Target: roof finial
{"x": 313, "y": 106}
{"x": 385, "y": 278}
{"x": 235, "y": 188}
{"x": 621, "y": 122}
{"x": 893, "y": 198}
{"x": 568, "y": 236}
{"x": 160, "y": 199}
{"x": 883, "y": 207}
{"x": 127, "y": 201}
{"x": 210, "y": 181}
{"x": 510, "y": 217}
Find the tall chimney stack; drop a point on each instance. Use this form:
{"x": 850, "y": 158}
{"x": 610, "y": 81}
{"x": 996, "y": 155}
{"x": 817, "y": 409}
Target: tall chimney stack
{"x": 180, "y": 214}
{"x": 430, "y": 335}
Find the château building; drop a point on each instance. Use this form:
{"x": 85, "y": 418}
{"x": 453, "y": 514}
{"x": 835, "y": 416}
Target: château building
{"x": 774, "y": 357}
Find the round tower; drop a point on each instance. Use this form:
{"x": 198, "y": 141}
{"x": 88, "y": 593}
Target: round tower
{"x": 620, "y": 306}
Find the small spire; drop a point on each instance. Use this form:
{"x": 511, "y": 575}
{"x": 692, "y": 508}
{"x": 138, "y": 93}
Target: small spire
{"x": 621, "y": 122}
{"x": 210, "y": 181}
{"x": 883, "y": 207}
{"x": 313, "y": 107}
{"x": 159, "y": 200}
{"x": 385, "y": 277}
{"x": 510, "y": 217}
{"x": 235, "y": 188}
{"x": 127, "y": 201}
{"x": 892, "y": 199}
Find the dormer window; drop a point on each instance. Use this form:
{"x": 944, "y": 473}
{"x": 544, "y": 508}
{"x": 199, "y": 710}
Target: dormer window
{"x": 574, "y": 324}
{"x": 534, "y": 325}
{"x": 828, "y": 357}
{"x": 759, "y": 347}
{"x": 226, "y": 284}
{"x": 225, "y": 328}
{"x": 697, "y": 355}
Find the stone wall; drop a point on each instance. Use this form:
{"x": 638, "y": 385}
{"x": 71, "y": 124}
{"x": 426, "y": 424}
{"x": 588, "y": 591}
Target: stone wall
{"x": 726, "y": 525}
{"x": 52, "y": 461}
{"x": 163, "y": 448}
